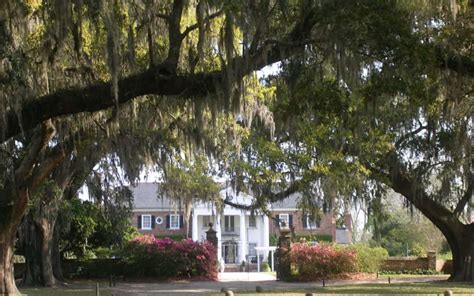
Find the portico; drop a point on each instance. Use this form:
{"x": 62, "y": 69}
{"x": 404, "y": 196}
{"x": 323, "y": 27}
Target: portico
{"x": 239, "y": 232}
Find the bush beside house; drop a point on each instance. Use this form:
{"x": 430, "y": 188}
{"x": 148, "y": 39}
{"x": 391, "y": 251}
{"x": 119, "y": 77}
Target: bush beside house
{"x": 312, "y": 262}
{"x": 324, "y": 261}
{"x": 369, "y": 259}
{"x": 147, "y": 256}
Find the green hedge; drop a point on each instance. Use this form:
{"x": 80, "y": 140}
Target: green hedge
{"x": 94, "y": 268}
{"x": 369, "y": 259}
{"x": 307, "y": 238}
{"x": 418, "y": 271}
{"x": 175, "y": 237}
{"x": 313, "y": 238}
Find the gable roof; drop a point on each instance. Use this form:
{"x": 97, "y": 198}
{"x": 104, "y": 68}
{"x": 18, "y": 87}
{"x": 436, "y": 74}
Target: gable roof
{"x": 146, "y": 197}
{"x": 291, "y": 202}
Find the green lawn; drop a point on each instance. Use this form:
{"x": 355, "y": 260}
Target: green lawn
{"x": 82, "y": 289}
{"x": 436, "y": 288}
{"x": 401, "y": 276}
{"x": 381, "y": 289}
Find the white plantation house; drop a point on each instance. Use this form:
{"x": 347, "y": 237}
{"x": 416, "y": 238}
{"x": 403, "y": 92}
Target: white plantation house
{"x": 240, "y": 233}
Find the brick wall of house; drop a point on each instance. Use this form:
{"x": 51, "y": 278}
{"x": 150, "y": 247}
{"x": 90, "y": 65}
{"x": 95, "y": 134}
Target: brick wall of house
{"x": 327, "y": 224}
{"x": 160, "y": 229}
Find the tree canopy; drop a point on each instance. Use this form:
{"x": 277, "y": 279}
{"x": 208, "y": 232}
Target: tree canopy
{"x": 368, "y": 93}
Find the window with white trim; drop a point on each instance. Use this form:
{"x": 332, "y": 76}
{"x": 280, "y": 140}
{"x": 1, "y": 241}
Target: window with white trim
{"x": 205, "y": 221}
{"x": 229, "y": 224}
{"x": 146, "y": 222}
{"x": 174, "y": 221}
{"x": 284, "y": 218}
{"x": 252, "y": 251}
{"x": 252, "y": 221}
{"x": 312, "y": 223}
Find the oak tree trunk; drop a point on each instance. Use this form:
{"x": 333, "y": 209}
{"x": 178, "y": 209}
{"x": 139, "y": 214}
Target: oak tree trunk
{"x": 47, "y": 231}
{"x": 462, "y": 248}
{"x": 10, "y": 218}
{"x": 30, "y": 242}
{"x": 37, "y": 241}
{"x": 56, "y": 256}
{"x": 7, "y": 284}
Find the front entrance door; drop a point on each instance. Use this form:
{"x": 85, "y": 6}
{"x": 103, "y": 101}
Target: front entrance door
{"x": 230, "y": 252}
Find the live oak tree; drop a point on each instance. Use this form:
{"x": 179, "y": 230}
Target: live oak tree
{"x": 59, "y": 59}
{"x": 382, "y": 110}
{"x": 38, "y": 235}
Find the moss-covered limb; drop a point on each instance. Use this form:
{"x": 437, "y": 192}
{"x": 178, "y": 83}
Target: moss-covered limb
{"x": 158, "y": 80}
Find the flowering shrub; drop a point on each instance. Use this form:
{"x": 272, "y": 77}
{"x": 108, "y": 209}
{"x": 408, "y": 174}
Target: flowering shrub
{"x": 164, "y": 258}
{"x": 322, "y": 260}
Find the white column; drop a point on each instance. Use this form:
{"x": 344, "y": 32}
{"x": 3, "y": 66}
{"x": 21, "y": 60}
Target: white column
{"x": 217, "y": 228}
{"x": 195, "y": 234}
{"x": 266, "y": 236}
{"x": 243, "y": 239}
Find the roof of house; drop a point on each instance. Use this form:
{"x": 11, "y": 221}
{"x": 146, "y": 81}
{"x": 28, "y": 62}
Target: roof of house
{"x": 291, "y": 202}
{"x": 146, "y": 197}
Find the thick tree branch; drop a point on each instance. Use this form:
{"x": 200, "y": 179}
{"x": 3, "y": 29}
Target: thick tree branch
{"x": 196, "y": 25}
{"x": 157, "y": 80}
{"x": 393, "y": 174}
{"x": 37, "y": 146}
{"x": 465, "y": 198}
{"x": 410, "y": 134}
{"x": 174, "y": 35}
{"x": 454, "y": 61}
{"x": 270, "y": 197}
{"x": 46, "y": 167}
{"x": 163, "y": 16}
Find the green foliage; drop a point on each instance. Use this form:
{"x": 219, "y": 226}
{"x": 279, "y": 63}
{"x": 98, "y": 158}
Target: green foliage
{"x": 303, "y": 238}
{"x": 104, "y": 253}
{"x": 81, "y": 218}
{"x": 189, "y": 180}
{"x": 312, "y": 238}
{"x": 371, "y": 73}
{"x": 399, "y": 233}
{"x": 98, "y": 268}
{"x": 418, "y": 250}
{"x": 93, "y": 225}
{"x": 175, "y": 237}
{"x": 273, "y": 240}
{"x": 265, "y": 267}
{"x": 369, "y": 259}
{"x": 418, "y": 271}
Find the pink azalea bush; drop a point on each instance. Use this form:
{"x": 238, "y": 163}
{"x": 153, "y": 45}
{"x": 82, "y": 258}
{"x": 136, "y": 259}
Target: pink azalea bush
{"x": 165, "y": 258}
{"x": 322, "y": 261}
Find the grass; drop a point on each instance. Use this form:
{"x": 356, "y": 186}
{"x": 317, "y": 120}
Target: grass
{"x": 404, "y": 275}
{"x": 402, "y": 288}
{"x": 60, "y": 292}
{"x": 428, "y": 288}
{"x": 380, "y": 289}
{"x": 82, "y": 289}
